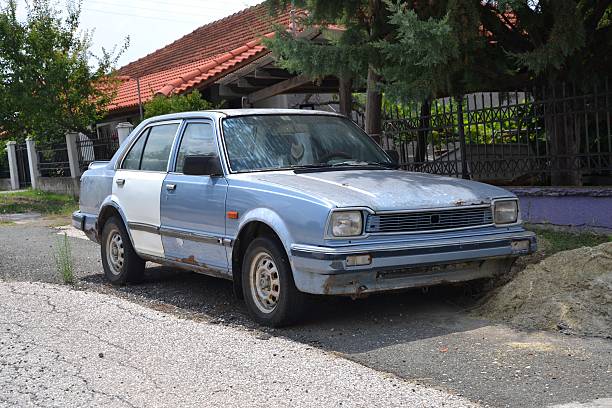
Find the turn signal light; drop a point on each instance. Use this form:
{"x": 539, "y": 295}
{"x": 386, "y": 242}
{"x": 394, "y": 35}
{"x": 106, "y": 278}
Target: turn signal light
{"x": 520, "y": 246}
{"x": 232, "y": 215}
{"x": 358, "y": 260}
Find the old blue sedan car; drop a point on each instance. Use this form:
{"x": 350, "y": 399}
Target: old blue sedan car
{"x": 287, "y": 203}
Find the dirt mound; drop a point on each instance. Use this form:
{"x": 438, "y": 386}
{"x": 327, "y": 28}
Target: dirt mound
{"x": 570, "y": 291}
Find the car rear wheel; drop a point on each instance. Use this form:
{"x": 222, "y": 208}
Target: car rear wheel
{"x": 121, "y": 263}
{"x": 267, "y": 283}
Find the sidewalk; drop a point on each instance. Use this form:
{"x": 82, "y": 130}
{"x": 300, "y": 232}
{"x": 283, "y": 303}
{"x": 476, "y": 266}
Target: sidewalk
{"x": 63, "y": 347}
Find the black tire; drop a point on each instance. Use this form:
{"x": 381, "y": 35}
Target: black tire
{"x": 268, "y": 256}
{"x": 119, "y": 270}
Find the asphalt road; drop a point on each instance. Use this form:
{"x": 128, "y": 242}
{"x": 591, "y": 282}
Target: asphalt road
{"x": 428, "y": 338}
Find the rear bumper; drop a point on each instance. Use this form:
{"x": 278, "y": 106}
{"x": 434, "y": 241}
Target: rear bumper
{"x": 324, "y": 270}
{"x": 86, "y": 223}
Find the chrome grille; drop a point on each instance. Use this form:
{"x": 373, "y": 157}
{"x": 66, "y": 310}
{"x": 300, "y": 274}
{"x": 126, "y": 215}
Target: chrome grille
{"x": 432, "y": 220}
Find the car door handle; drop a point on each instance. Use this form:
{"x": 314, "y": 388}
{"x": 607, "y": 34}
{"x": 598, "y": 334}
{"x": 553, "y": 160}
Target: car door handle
{"x": 120, "y": 182}
{"x": 170, "y": 187}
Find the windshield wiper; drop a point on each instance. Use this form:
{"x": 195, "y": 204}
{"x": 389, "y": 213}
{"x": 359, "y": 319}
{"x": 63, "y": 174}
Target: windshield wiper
{"x": 343, "y": 165}
{"x": 310, "y": 166}
{"x": 358, "y": 163}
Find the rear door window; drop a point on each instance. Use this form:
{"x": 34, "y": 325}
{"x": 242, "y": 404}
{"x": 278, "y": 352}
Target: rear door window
{"x": 132, "y": 159}
{"x": 156, "y": 152}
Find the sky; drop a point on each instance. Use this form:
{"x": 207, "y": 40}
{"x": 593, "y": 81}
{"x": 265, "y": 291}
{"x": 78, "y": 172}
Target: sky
{"x": 150, "y": 24}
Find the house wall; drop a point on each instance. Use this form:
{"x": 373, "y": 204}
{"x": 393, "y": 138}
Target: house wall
{"x": 582, "y": 207}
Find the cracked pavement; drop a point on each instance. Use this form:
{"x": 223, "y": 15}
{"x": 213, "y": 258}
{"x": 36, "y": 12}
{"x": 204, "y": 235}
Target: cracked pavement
{"x": 64, "y": 347}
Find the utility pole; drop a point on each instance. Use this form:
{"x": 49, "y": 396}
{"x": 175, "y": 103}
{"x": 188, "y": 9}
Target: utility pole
{"x": 139, "y": 98}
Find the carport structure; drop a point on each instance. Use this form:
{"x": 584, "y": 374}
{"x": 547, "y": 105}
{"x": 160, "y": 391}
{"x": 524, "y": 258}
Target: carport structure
{"x": 227, "y": 62}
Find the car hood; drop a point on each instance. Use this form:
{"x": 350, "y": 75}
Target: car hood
{"x": 386, "y": 190}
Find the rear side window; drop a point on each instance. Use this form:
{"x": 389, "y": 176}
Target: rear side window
{"x": 198, "y": 139}
{"x": 132, "y": 160}
{"x": 157, "y": 148}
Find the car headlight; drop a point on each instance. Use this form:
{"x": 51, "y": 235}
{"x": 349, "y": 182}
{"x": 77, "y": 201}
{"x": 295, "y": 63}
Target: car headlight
{"x": 505, "y": 212}
{"x": 346, "y": 223}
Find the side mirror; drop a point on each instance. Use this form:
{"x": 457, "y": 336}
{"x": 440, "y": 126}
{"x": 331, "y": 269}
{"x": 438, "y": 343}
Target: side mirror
{"x": 202, "y": 165}
{"x": 394, "y": 155}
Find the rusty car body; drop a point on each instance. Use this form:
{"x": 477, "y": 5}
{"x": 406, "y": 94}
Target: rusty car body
{"x": 288, "y": 202}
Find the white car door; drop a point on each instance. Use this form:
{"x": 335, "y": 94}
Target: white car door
{"x": 138, "y": 182}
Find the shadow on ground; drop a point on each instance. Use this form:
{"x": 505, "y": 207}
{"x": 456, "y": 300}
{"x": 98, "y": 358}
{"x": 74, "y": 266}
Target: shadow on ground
{"x": 378, "y": 321}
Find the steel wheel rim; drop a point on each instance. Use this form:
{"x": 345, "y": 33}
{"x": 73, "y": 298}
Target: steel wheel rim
{"x": 265, "y": 282}
{"x": 115, "y": 252}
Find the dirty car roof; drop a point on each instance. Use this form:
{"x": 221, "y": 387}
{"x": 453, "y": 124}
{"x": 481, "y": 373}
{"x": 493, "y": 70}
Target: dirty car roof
{"x": 216, "y": 113}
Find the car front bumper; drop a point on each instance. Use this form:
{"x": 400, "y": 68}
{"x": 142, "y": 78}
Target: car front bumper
{"x": 408, "y": 264}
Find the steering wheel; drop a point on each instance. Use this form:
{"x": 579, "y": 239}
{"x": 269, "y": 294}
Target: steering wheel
{"x": 332, "y": 155}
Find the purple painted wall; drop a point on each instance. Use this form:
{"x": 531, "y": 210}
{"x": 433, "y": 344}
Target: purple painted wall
{"x": 581, "y": 207}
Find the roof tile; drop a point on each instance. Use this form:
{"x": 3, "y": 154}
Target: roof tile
{"x": 211, "y": 40}
{"x": 204, "y": 55}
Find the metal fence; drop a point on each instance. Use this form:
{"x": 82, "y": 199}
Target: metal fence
{"x": 549, "y": 135}
{"x": 53, "y": 160}
{"x": 91, "y": 149}
{"x": 4, "y": 166}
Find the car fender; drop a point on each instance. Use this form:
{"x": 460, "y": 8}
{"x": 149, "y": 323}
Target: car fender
{"x": 272, "y": 220}
{"x": 113, "y": 201}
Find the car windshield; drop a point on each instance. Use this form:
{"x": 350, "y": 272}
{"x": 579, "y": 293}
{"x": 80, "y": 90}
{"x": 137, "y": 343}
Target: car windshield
{"x": 275, "y": 142}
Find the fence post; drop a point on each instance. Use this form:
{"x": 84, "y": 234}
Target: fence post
{"x": 73, "y": 154}
{"x": 123, "y": 131}
{"x": 464, "y": 169}
{"x": 33, "y": 160}
{"x": 11, "y": 150}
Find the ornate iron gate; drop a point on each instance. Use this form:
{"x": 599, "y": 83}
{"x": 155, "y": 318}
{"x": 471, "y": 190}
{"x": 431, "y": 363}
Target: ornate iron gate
{"x": 23, "y": 166}
{"x": 555, "y": 135}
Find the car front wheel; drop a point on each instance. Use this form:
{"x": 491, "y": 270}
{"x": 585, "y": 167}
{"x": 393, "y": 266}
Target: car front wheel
{"x": 267, "y": 283}
{"x": 121, "y": 263}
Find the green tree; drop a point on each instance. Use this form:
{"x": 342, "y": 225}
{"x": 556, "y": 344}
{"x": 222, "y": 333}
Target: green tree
{"x": 50, "y": 82}
{"x": 161, "y": 105}
{"x": 457, "y": 46}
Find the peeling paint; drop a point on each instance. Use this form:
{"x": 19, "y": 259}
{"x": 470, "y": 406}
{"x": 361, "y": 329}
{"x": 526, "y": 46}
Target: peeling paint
{"x": 387, "y": 190}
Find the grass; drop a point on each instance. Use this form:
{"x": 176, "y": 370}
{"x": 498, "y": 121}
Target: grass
{"x": 37, "y": 201}
{"x": 552, "y": 241}
{"x": 63, "y": 260}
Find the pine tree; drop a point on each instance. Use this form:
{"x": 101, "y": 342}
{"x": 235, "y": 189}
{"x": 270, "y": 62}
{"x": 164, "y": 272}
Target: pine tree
{"x": 450, "y": 47}
{"x": 350, "y": 54}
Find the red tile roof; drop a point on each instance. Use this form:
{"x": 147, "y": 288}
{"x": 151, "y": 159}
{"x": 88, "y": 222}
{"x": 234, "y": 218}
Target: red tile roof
{"x": 205, "y": 55}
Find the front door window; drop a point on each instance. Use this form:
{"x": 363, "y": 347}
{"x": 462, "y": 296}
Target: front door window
{"x": 198, "y": 139}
